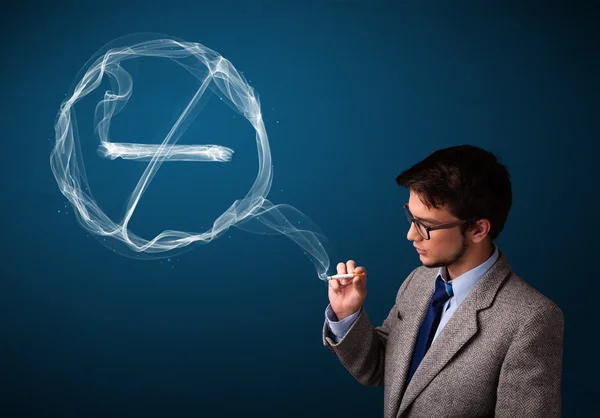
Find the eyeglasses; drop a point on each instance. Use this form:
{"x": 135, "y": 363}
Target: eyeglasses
{"x": 425, "y": 230}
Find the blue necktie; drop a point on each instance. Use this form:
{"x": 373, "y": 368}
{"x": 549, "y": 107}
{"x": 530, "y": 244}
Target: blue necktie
{"x": 441, "y": 294}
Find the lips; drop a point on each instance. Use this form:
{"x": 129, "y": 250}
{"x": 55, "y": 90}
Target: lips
{"x": 420, "y": 251}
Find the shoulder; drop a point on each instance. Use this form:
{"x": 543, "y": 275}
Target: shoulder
{"x": 524, "y": 312}
{"x": 524, "y": 301}
{"x": 531, "y": 321}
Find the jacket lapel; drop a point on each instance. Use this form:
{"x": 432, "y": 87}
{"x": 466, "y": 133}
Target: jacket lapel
{"x": 402, "y": 349}
{"x": 457, "y": 332}
{"x": 461, "y": 327}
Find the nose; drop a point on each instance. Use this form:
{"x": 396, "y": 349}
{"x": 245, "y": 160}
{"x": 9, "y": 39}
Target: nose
{"x": 413, "y": 234}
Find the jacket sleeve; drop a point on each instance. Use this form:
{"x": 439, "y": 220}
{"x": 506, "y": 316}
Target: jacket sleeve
{"x": 362, "y": 349}
{"x": 530, "y": 378}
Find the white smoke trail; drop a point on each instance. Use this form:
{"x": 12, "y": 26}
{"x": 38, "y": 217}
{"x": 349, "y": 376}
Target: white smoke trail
{"x": 254, "y": 213}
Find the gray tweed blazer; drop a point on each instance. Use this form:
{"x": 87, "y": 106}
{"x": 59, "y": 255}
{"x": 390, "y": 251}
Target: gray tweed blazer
{"x": 500, "y": 354}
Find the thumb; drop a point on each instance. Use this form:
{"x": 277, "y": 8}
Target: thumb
{"x": 357, "y": 281}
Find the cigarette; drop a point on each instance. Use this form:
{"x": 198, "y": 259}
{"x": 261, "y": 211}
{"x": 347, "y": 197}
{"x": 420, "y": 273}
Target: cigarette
{"x": 344, "y": 276}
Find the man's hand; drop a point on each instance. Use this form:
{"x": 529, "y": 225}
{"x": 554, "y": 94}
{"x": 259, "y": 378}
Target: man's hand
{"x": 347, "y": 295}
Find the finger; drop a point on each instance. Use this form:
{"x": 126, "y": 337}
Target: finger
{"x": 350, "y": 265}
{"x": 350, "y": 268}
{"x": 335, "y": 285}
{"x": 341, "y": 269}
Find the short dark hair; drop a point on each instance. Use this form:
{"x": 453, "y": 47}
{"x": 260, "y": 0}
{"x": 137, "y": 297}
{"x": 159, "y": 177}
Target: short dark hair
{"x": 470, "y": 181}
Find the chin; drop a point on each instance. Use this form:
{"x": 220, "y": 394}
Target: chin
{"x": 430, "y": 263}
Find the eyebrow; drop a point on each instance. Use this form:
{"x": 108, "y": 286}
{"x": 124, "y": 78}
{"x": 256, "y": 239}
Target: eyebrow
{"x": 428, "y": 220}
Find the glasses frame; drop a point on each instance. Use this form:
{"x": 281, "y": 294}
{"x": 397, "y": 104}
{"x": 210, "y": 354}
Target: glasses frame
{"x": 427, "y": 228}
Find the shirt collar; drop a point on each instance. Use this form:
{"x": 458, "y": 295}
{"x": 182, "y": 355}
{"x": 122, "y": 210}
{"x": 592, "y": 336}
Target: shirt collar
{"x": 462, "y": 285}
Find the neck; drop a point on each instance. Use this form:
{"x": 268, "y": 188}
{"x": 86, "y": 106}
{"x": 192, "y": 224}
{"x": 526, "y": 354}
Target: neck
{"x": 474, "y": 256}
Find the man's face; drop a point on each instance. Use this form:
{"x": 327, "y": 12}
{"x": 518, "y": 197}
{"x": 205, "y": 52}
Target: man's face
{"x": 446, "y": 246}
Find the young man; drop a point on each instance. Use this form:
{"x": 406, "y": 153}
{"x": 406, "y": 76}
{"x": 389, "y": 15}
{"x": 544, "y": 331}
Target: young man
{"x": 466, "y": 336}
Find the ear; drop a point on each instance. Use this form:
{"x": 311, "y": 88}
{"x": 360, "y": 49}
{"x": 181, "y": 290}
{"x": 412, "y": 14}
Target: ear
{"x": 480, "y": 230}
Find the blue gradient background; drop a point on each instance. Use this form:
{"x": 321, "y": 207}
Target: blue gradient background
{"x": 353, "y": 93}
